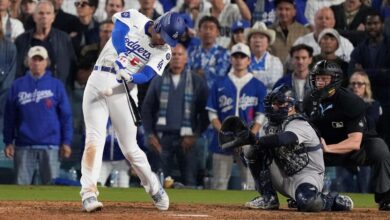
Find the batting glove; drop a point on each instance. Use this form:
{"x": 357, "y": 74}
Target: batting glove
{"x": 120, "y": 66}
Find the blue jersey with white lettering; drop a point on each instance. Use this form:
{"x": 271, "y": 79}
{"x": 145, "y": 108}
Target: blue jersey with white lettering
{"x": 223, "y": 100}
{"x": 214, "y": 63}
{"x": 38, "y": 112}
{"x": 137, "y": 45}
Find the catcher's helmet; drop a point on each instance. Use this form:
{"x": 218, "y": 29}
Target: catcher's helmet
{"x": 171, "y": 27}
{"x": 282, "y": 97}
{"x": 325, "y": 67}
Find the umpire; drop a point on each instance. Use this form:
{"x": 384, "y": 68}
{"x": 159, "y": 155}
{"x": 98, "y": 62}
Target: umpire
{"x": 339, "y": 116}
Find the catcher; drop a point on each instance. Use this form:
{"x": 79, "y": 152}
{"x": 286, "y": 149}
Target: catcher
{"x": 288, "y": 159}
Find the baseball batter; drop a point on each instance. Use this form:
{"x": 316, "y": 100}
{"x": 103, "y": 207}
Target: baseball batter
{"x": 288, "y": 159}
{"x": 138, "y": 50}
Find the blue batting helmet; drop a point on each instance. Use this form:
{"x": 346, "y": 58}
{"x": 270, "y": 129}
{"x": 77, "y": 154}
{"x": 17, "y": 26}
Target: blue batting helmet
{"x": 278, "y": 96}
{"x": 171, "y": 27}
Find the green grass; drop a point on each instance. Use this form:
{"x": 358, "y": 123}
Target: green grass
{"x": 64, "y": 193}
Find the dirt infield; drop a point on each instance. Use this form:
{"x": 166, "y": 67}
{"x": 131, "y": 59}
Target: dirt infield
{"x": 125, "y": 210}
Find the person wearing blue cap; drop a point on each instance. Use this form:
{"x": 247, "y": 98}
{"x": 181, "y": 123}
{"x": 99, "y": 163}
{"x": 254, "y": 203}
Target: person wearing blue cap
{"x": 238, "y": 35}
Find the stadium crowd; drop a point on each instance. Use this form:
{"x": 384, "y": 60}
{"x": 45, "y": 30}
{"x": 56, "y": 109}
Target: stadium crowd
{"x": 231, "y": 45}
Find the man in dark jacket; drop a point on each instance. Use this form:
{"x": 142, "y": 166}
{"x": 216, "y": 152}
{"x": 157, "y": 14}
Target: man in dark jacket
{"x": 174, "y": 116}
{"x": 56, "y": 42}
{"x": 350, "y": 17}
{"x": 373, "y": 56}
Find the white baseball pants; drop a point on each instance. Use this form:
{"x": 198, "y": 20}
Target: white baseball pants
{"x": 96, "y": 109}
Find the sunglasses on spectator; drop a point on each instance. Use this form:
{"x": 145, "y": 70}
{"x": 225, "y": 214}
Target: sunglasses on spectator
{"x": 81, "y": 4}
{"x": 358, "y": 84}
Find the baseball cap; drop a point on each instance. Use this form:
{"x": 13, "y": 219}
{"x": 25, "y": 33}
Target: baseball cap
{"x": 329, "y": 31}
{"x": 240, "y": 24}
{"x": 241, "y": 48}
{"x": 37, "y": 51}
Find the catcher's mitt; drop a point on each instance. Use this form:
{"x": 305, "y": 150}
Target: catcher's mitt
{"x": 234, "y": 133}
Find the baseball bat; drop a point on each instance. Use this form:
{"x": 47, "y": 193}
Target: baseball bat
{"x": 135, "y": 114}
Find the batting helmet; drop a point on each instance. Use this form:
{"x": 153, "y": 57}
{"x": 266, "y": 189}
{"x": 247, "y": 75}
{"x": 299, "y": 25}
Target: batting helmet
{"x": 282, "y": 97}
{"x": 171, "y": 27}
{"x": 325, "y": 67}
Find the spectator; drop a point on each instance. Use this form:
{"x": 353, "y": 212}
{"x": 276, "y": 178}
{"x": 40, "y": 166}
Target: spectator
{"x": 105, "y": 30}
{"x": 313, "y": 6}
{"x": 325, "y": 19}
{"x": 67, "y": 22}
{"x": 27, "y": 8}
{"x": 110, "y": 8}
{"x": 209, "y": 59}
{"x": 264, "y": 66}
{"x": 114, "y": 162}
{"x": 264, "y": 11}
{"x": 349, "y": 17}
{"x": 373, "y": 56}
{"x": 147, "y": 8}
{"x": 56, "y": 42}
{"x": 7, "y": 75}
{"x": 298, "y": 80}
{"x": 238, "y": 32}
{"x": 12, "y": 27}
{"x": 89, "y": 26}
{"x": 329, "y": 41}
{"x": 63, "y": 21}
{"x": 227, "y": 13}
{"x": 339, "y": 117}
{"x": 360, "y": 84}
{"x": 238, "y": 94}
{"x": 193, "y": 8}
{"x": 174, "y": 115}
{"x": 286, "y": 27}
{"x": 14, "y": 8}
{"x": 38, "y": 122}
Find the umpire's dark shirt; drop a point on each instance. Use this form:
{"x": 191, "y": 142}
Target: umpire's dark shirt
{"x": 341, "y": 114}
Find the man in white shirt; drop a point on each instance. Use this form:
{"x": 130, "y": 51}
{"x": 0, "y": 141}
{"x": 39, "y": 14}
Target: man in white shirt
{"x": 325, "y": 19}
{"x": 12, "y": 27}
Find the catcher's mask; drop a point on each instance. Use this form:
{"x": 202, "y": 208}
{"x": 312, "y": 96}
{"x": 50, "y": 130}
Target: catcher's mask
{"x": 330, "y": 68}
{"x": 231, "y": 127}
{"x": 277, "y": 104}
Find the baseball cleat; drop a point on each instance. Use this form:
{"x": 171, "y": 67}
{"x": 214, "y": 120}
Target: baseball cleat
{"x": 342, "y": 203}
{"x": 384, "y": 206}
{"x": 161, "y": 200}
{"x": 263, "y": 202}
{"x": 91, "y": 204}
{"x": 292, "y": 204}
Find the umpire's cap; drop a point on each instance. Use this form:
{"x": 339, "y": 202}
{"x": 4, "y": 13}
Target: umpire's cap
{"x": 171, "y": 27}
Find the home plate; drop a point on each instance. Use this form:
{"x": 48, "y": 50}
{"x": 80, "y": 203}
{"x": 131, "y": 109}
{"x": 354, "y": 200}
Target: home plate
{"x": 190, "y": 215}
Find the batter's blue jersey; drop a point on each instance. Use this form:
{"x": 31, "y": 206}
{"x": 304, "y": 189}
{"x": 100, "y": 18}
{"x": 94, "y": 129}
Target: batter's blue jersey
{"x": 223, "y": 100}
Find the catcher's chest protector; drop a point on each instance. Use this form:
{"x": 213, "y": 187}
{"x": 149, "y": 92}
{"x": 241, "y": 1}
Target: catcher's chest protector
{"x": 293, "y": 158}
